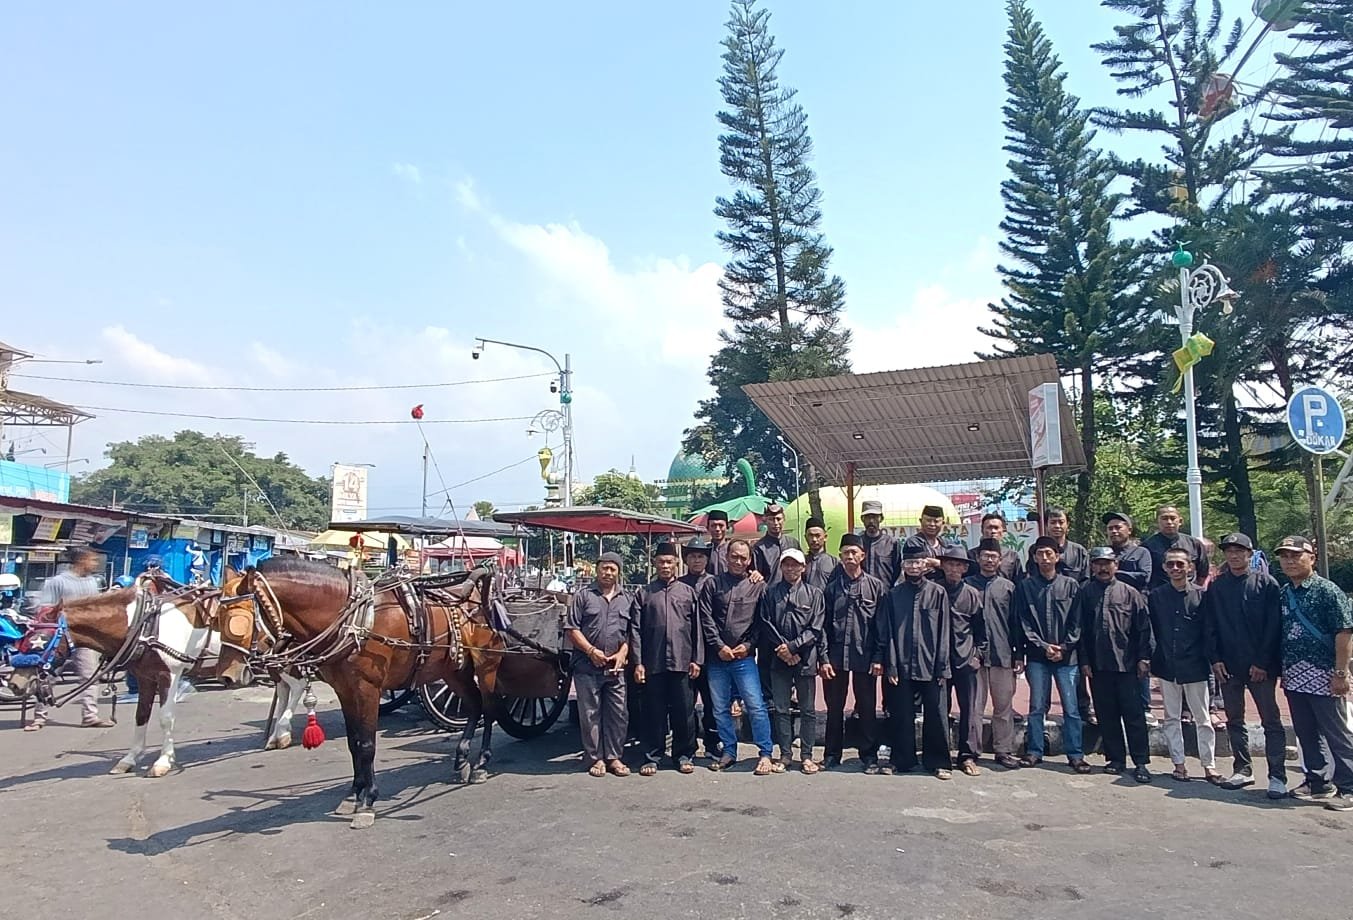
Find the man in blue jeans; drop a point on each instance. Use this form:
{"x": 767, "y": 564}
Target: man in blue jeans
{"x": 1045, "y": 607}
{"x": 729, "y": 625}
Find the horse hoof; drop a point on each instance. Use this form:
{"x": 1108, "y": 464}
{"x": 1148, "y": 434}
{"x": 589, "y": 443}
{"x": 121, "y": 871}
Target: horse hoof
{"x": 158, "y": 770}
{"x": 465, "y": 773}
{"x": 479, "y": 776}
{"x": 363, "y": 819}
{"x": 121, "y": 767}
{"x": 345, "y": 808}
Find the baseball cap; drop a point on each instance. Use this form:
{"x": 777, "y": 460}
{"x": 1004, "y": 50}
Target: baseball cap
{"x": 794, "y": 554}
{"x": 872, "y": 507}
{"x": 1295, "y": 544}
{"x": 1237, "y": 539}
{"x": 1118, "y": 516}
{"x": 1103, "y": 552}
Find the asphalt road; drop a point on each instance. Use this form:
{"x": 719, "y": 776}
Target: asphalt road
{"x": 240, "y": 833}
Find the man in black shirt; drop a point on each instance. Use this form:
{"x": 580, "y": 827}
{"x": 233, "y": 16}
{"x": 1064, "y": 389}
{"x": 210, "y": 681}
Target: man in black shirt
{"x": 716, "y": 522}
{"x": 794, "y": 644}
{"x": 1167, "y": 536}
{"x": 696, "y": 555}
{"x": 667, "y": 643}
{"x": 1134, "y": 568}
{"x": 598, "y": 628}
{"x": 1115, "y": 652}
{"x": 927, "y": 540}
{"x": 1071, "y": 559}
{"x": 1242, "y": 620}
{"x": 913, "y": 651}
{"x": 1002, "y": 653}
{"x": 882, "y": 553}
{"x": 993, "y": 528}
{"x": 821, "y": 565}
{"x": 1180, "y": 661}
{"x": 852, "y": 603}
{"x": 1045, "y": 605}
{"x": 766, "y": 551}
{"x": 967, "y": 632}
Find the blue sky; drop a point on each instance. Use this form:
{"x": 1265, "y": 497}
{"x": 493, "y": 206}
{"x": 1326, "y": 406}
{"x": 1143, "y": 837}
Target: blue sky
{"x": 335, "y": 194}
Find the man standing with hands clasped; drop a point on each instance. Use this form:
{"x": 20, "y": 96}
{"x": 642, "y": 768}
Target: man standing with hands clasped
{"x": 1115, "y": 653}
{"x": 852, "y": 604}
{"x": 666, "y": 641}
{"x": 599, "y": 620}
{"x": 794, "y": 641}
{"x": 1243, "y": 624}
{"x": 1317, "y": 639}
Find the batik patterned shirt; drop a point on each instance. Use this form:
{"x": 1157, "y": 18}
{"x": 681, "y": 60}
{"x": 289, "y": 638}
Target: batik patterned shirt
{"x": 1308, "y": 647}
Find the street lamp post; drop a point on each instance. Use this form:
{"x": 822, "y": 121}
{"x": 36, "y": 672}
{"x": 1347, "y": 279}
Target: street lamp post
{"x": 565, "y": 403}
{"x": 1198, "y": 288}
{"x": 798, "y": 487}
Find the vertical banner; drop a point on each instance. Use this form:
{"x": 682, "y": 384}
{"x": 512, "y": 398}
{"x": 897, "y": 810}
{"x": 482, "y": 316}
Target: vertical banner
{"x": 6, "y": 529}
{"x": 349, "y": 493}
{"x": 1045, "y": 425}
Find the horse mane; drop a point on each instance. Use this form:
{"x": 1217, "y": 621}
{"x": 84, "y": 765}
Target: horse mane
{"x": 319, "y": 574}
{"x": 122, "y": 596}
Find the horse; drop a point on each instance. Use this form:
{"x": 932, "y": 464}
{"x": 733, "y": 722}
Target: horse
{"x": 361, "y": 639}
{"x": 174, "y": 633}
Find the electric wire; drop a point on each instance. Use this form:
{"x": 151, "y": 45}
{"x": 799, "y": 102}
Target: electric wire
{"x": 244, "y": 389}
{"x": 310, "y": 421}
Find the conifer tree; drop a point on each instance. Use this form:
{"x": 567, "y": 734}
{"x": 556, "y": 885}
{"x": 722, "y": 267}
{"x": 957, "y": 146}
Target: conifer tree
{"x": 1068, "y": 281}
{"x": 784, "y": 307}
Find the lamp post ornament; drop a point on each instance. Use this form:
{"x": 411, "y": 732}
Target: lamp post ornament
{"x": 1198, "y": 288}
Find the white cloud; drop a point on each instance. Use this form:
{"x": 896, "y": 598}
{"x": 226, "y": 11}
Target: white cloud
{"x": 130, "y": 350}
{"x": 270, "y": 360}
{"x": 408, "y": 172}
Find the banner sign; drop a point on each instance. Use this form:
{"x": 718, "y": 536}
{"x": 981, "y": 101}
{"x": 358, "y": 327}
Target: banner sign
{"x": 1045, "y": 425}
{"x": 349, "y": 493}
{"x": 47, "y": 529}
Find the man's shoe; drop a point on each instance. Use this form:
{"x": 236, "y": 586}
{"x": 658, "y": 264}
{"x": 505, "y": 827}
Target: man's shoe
{"x": 883, "y": 769}
{"x": 1030, "y": 760}
{"x": 831, "y": 762}
{"x": 1340, "y": 802}
{"x": 98, "y": 723}
{"x": 1241, "y": 780}
{"x": 1009, "y": 761}
{"x": 1141, "y": 775}
{"x": 871, "y": 768}
{"x": 1277, "y": 788}
{"x": 944, "y": 774}
{"x": 1114, "y": 769}
{"x": 1080, "y": 766}
{"x": 1309, "y": 792}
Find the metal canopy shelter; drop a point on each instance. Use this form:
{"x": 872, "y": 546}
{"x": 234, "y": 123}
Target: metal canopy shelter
{"x": 424, "y": 526}
{"x": 597, "y": 521}
{"x": 930, "y": 424}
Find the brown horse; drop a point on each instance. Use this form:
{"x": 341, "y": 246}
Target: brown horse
{"x": 299, "y": 603}
{"x": 183, "y": 634}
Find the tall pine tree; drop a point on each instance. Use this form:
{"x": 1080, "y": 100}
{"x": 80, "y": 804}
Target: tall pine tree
{"x": 1167, "y": 53}
{"x": 784, "y": 307}
{"x": 1067, "y": 286}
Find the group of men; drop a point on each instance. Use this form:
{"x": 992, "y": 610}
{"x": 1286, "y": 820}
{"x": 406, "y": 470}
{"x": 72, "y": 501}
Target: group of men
{"x": 753, "y": 626}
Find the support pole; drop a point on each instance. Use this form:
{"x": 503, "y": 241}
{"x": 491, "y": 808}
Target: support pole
{"x": 1193, "y": 475}
{"x": 850, "y": 497}
{"x": 1040, "y": 497}
{"x": 1322, "y": 556}
{"x": 425, "y": 478}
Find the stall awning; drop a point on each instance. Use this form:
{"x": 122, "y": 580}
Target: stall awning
{"x": 109, "y": 517}
{"x": 425, "y": 526}
{"x": 597, "y": 521}
{"x": 930, "y": 424}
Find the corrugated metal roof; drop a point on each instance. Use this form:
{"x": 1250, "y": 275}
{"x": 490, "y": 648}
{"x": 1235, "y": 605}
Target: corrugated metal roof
{"x": 31, "y": 410}
{"x": 914, "y": 425}
{"x": 13, "y": 352}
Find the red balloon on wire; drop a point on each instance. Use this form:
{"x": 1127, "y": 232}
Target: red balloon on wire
{"x": 417, "y": 411}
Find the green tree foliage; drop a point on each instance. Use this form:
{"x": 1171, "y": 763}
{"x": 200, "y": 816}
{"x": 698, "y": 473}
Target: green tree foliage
{"x": 1315, "y": 113}
{"x": 1068, "y": 281}
{"x": 783, "y": 305}
{"x": 614, "y": 489}
{"x": 484, "y": 509}
{"x": 191, "y": 474}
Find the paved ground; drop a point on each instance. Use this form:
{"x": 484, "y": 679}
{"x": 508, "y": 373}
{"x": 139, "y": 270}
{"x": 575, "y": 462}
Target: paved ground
{"x": 239, "y": 833}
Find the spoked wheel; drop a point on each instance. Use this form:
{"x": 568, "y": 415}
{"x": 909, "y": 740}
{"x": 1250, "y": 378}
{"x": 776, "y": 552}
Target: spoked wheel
{"x": 444, "y": 708}
{"x": 394, "y": 699}
{"x": 528, "y": 717}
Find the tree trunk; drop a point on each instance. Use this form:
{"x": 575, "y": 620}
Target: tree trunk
{"x": 1238, "y": 467}
{"x": 814, "y": 493}
{"x": 1084, "y": 527}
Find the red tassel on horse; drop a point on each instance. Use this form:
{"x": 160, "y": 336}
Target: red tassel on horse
{"x": 313, "y": 736}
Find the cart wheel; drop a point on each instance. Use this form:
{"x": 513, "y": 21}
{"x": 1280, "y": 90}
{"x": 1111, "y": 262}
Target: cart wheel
{"x": 394, "y": 699}
{"x": 442, "y": 705}
{"x": 527, "y": 717}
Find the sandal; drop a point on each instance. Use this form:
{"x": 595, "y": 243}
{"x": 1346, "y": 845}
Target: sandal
{"x": 36, "y": 725}
{"x": 777, "y": 766}
{"x": 685, "y": 767}
{"x": 810, "y": 767}
{"x": 1181, "y": 773}
{"x": 648, "y": 769}
{"x": 970, "y": 768}
{"x": 618, "y": 768}
{"x": 723, "y": 763}
{"x": 764, "y": 767}
{"x": 597, "y": 769}
{"x": 1214, "y": 778}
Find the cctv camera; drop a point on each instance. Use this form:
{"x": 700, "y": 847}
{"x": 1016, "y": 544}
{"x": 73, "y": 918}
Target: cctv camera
{"x": 475, "y": 355}
{"x": 554, "y": 387}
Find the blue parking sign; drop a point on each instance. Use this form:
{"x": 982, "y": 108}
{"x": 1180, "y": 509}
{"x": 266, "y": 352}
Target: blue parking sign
{"x": 1316, "y": 420}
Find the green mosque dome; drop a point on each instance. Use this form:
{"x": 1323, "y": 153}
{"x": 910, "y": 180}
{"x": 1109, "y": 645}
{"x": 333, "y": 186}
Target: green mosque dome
{"x": 688, "y": 468}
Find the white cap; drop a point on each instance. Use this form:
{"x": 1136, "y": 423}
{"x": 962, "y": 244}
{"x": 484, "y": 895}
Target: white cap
{"x": 796, "y": 555}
